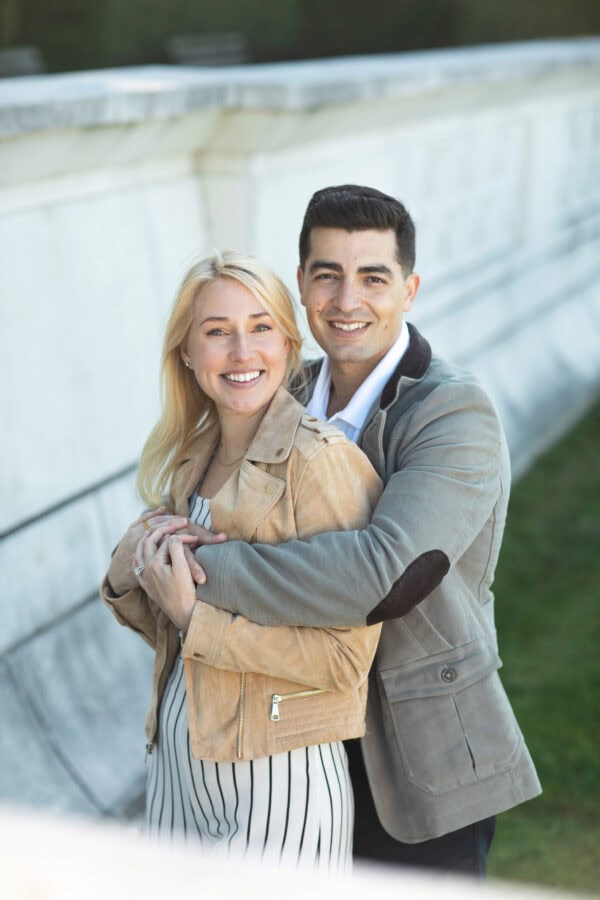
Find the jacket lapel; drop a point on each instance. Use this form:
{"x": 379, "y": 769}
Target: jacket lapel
{"x": 250, "y": 493}
{"x": 190, "y": 471}
{"x": 244, "y": 501}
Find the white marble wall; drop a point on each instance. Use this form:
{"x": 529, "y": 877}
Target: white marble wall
{"x": 111, "y": 182}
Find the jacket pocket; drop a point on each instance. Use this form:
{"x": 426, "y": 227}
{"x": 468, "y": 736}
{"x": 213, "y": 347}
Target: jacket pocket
{"x": 450, "y": 718}
{"x": 277, "y": 699}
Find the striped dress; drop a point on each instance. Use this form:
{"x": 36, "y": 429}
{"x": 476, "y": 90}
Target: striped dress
{"x": 294, "y": 808}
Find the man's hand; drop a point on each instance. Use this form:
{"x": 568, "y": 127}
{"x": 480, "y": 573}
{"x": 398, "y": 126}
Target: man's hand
{"x": 203, "y": 537}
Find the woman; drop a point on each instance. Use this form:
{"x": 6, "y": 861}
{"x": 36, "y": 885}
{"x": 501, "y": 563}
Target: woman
{"x": 246, "y": 721}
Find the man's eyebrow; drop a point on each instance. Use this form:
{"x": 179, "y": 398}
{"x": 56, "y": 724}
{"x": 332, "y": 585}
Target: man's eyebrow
{"x": 325, "y": 264}
{"x": 379, "y": 269}
{"x": 376, "y": 269}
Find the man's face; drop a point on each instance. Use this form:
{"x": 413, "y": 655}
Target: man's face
{"x": 355, "y": 295}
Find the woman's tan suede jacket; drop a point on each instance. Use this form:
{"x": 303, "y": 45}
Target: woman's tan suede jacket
{"x": 255, "y": 690}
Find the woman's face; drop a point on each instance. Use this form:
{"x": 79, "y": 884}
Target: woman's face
{"x": 234, "y": 348}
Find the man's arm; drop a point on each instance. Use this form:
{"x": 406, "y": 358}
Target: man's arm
{"x": 451, "y": 470}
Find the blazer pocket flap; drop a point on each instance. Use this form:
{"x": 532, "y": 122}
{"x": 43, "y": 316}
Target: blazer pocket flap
{"x": 444, "y": 673}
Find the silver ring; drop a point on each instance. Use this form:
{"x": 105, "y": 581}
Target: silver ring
{"x": 139, "y": 569}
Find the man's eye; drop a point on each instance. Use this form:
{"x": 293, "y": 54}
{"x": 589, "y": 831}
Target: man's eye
{"x": 324, "y": 276}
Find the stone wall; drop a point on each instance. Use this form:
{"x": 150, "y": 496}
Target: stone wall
{"x": 112, "y": 181}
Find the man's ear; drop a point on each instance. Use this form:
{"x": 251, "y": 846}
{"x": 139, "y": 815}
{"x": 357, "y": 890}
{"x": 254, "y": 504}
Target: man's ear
{"x": 411, "y": 287}
{"x": 300, "y": 280}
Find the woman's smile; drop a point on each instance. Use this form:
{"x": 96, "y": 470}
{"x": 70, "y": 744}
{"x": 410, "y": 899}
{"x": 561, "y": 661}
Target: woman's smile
{"x": 242, "y": 378}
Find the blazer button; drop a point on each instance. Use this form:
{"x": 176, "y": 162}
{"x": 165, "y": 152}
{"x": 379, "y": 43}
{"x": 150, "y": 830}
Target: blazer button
{"x": 449, "y": 675}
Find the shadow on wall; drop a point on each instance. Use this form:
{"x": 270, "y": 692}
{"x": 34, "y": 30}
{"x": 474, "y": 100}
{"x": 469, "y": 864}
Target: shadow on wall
{"x": 72, "y": 702}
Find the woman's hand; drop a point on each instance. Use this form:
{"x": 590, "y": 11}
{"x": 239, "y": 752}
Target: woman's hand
{"x": 120, "y": 572}
{"x": 164, "y": 574}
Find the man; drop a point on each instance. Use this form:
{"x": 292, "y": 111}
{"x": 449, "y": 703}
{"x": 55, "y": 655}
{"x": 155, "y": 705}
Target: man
{"x": 443, "y": 753}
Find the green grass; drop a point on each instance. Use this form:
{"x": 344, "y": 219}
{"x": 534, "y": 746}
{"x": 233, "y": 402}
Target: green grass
{"x": 547, "y": 613}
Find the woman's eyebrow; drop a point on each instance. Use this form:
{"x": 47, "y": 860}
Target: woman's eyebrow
{"x": 258, "y": 315}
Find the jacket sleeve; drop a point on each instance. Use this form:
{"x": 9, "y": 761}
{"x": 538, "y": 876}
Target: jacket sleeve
{"x": 131, "y": 610}
{"x": 450, "y": 469}
{"x": 333, "y": 659}
{"x": 347, "y": 488}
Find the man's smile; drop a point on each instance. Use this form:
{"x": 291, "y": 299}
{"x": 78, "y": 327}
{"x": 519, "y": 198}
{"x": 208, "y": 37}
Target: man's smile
{"x": 348, "y": 327}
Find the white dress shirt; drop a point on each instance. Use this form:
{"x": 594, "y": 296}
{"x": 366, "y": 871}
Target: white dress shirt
{"x": 351, "y": 419}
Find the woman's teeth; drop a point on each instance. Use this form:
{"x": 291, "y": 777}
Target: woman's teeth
{"x": 242, "y": 376}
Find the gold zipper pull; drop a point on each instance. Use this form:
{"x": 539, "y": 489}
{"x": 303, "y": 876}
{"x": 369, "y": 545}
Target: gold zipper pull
{"x": 275, "y": 707}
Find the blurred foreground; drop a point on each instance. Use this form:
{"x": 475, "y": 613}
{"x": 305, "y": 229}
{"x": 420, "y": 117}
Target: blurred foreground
{"x": 44, "y": 858}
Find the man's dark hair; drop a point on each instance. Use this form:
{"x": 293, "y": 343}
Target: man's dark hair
{"x": 356, "y": 208}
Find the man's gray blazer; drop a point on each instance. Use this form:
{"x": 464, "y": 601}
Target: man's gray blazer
{"x": 443, "y": 748}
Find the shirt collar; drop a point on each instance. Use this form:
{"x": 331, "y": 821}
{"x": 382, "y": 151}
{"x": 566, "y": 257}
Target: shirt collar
{"x": 357, "y": 410}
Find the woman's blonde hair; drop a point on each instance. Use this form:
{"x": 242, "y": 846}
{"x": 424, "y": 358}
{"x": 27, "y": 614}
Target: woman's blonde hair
{"x": 186, "y": 410}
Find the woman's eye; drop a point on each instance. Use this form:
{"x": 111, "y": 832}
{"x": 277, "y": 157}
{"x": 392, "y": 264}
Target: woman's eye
{"x": 262, "y": 327}
{"x": 215, "y": 332}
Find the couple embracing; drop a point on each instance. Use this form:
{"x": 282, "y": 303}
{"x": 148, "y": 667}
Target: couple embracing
{"x": 314, "y": 570}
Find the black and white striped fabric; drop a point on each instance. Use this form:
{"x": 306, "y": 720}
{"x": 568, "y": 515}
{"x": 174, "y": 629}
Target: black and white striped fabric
{"x": 293, "y": 808}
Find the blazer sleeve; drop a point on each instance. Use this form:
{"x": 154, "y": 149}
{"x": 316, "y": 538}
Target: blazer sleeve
{"x": 448, "y": 473}
{"x": 347, "y": 488}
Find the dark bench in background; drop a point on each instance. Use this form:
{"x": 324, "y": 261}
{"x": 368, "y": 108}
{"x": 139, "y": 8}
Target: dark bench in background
{"x": 222, "y": 49}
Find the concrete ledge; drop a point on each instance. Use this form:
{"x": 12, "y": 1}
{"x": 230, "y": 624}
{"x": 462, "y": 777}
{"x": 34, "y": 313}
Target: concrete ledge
{"x": 117, "y": 96}
{"x": 77, "y": 859}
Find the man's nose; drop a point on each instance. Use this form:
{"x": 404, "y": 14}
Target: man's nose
{"x": 347, "y": 299}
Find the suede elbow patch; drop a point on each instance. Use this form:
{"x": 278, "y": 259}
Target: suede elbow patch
{"x": 418, "y": 580}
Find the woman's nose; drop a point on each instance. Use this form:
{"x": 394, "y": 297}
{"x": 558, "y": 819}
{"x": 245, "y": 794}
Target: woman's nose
{"x": 240, "y": 348}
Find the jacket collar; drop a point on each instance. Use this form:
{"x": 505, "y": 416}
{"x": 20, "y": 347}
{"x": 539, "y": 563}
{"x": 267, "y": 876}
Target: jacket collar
{"x": 274, "y": 439}
{"x": 272, "y": 443}
{"x": 414, "y": 365}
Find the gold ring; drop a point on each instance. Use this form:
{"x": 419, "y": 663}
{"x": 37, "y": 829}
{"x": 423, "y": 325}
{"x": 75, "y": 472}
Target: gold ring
{"x": 146, "y": 526}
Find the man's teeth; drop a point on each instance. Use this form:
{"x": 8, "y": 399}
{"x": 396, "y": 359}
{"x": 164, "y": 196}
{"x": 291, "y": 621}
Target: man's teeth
{"x": 349, "y": 326}
{"x": 242, "y": 376}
